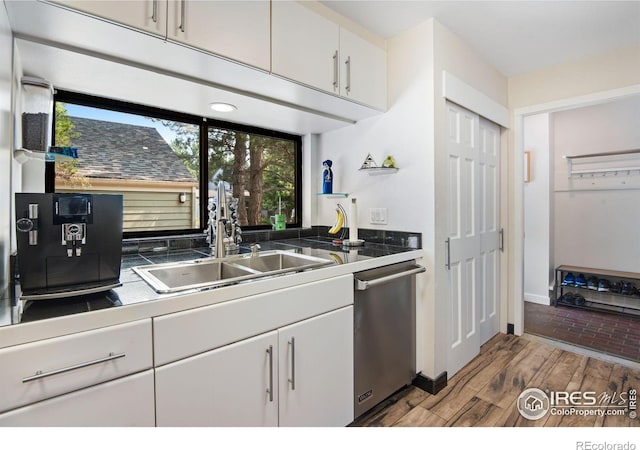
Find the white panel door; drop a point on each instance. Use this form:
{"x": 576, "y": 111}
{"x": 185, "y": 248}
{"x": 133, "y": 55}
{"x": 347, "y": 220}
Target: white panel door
{"x": 489, "y": 178}
{"x": 463, "y": 237}
{"x": 316, "y": 371}
{"x": 235, "y": 385}
{"x": 473, "y": 233}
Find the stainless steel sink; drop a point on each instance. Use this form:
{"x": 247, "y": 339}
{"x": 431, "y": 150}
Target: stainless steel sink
{"x": 210, "y": 272}
{"x": 279, "y": 261}
{"x": 194, "y": 274}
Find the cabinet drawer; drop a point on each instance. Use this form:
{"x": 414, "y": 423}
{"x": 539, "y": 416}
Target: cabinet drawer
{"x": 187, "y": 333}
{"x": 40, "y": 370}
{"x": 126, "y": 402}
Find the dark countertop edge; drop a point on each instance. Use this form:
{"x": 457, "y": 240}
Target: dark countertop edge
{"x": 384, "y": 254}
{"x": 65, "y": 325}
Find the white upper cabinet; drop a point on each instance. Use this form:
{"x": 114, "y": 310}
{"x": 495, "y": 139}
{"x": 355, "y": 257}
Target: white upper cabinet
{"x": 304, "y": 46}
{"x": 285, "y": 38}
{"x": 148, "y": 15}
{"x": 236, "y": 29}
{"x": 308, "y": 48}
{"x": 363, "y": 70}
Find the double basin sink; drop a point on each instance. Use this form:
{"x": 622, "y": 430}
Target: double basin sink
{"x": 214, "y": 272}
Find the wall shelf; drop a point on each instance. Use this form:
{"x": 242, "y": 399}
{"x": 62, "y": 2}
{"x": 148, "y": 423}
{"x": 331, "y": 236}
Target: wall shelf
{"x": 334, "y": 195}
{"x": 379, "y": 170}
{"x": 599, "y": 163}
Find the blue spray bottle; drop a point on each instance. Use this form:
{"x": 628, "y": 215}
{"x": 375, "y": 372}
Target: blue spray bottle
{"x": 327, "y": 177}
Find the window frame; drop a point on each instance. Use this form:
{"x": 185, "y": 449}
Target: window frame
{"x": 203, "y": 124}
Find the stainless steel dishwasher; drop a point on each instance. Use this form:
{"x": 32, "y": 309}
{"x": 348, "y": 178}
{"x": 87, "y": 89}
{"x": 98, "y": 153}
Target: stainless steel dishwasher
{"x": 384, "y": 332}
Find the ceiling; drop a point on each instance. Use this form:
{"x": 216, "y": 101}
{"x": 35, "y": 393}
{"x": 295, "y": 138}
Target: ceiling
{"x": 516, "y": 37}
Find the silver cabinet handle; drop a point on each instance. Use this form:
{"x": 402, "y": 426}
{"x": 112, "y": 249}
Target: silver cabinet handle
{"x": 448, "y": 264}
{"x": 335, "y": 70}
{"x": 348, "y": 64}
{"x": 182, "y": 8}
{"x": 363, "y": 285}
{"x": 154, "y": 14}
{"x": 270, "y": 389}
{"x": 292, "y": 380}
{"x": 39, "y": 374}
{"x": 502, "y": 239}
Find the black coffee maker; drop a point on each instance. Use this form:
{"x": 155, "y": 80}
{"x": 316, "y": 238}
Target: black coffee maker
{"x": 68, "y": 244}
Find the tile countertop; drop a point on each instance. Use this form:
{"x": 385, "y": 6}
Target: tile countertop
{"x": 136, "y": 292}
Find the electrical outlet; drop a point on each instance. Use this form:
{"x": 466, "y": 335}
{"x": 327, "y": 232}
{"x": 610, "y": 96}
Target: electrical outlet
{"x": 378, "y": 216}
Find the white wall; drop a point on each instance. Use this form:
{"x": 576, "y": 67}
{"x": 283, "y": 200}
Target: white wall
{"x": 610, "y": 75}
{"x": 537, "y": 210}
{"x": 412, "y": 131}
{"x": 597, "y": 225}
{"x": 6, "y": 47}
{"x": 405, "y": 131}
{"x": 600, "y": 73}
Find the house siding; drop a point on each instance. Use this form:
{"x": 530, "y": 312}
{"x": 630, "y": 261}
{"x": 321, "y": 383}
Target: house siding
{"x": 146, "y": 210}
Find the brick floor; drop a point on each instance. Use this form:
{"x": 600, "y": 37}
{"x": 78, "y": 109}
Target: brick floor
{"x": 613, "y": 334}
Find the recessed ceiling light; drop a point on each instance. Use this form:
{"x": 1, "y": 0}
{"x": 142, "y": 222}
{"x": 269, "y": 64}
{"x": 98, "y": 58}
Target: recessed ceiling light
{"x": 222, "y": 107}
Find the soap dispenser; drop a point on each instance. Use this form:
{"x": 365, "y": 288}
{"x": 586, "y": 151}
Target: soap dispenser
{"x": 327, "y": 177}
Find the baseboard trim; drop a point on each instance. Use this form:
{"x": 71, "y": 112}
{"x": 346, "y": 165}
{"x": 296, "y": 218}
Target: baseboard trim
{"x": 431, "y": 385}
{"x": 539, "y": 299}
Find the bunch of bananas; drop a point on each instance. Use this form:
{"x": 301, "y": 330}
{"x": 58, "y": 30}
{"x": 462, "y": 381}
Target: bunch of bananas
{"x": 339, "y": 222}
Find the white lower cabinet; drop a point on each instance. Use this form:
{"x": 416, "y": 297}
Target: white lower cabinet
{"x": 298, "y": 375}
{"x": 316, "y": 371}
{"x": 37, "y": 371}
{"x": 223, "y": 387}
{"x": 125, "y": 402}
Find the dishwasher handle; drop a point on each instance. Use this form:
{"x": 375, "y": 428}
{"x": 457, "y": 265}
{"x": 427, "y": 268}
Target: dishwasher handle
{"x": 363, "y": 285}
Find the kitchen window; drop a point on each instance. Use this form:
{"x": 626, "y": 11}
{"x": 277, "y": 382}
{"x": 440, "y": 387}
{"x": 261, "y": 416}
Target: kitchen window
{"x": 162, "y": 161}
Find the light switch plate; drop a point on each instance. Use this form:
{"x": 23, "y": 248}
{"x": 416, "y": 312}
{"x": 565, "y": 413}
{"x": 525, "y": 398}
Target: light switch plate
{"x": 378, "y": 216}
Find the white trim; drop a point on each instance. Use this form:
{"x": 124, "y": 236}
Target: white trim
{"x": 518, "y": 226}
{"x": 518, "y": 181}
{"x": 460, "y": 93}
{"x": 580, "y": 101}
{"x": 535, "y": 298}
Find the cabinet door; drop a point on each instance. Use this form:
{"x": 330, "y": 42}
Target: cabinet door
{"x": 316, "y": 370}
{"x": 125, "y": 402}
{"x": 228, "y": 386}
{"x": 238, "y": 30}
{"x": 304, "y": 46}
{"x": 43, "y": 369}
{"x": 363, "y": 71}
{"x": 148, "y": 15}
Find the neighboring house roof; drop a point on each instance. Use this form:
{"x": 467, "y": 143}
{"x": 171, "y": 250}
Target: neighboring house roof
{"x": 122, "y": 151}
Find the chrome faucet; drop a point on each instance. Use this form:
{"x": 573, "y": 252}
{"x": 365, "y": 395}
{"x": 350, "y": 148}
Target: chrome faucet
{"x": 223, "y": 232}
{"x": 254, "y": 249}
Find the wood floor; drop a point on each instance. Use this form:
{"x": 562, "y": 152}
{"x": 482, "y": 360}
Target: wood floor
{"x": 484, "y": 393}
